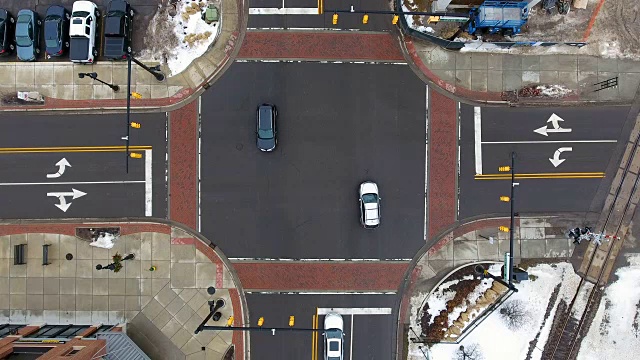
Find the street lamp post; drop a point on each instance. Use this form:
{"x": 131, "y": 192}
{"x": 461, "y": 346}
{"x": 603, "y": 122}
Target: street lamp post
{"x": 155, "y": 71}
{"x": 94, "y": 76}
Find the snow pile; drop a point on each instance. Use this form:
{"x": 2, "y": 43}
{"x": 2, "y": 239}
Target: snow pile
{"x": 104, "y": 240}
{"x": 554, "y": 90}
{"x": 515, "y": 344}
{"x": 194, "y": 35}
{"x": 614, "y": 332}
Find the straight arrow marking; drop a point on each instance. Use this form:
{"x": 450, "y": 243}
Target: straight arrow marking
{"x": 556, "y": 156}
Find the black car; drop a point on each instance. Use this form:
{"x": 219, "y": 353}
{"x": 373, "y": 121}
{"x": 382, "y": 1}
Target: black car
{"x": 266, "y": 127}
{"x": 117, "y": 30}
{"x": 56, "y": 31}
{"x": 7, "y": 26}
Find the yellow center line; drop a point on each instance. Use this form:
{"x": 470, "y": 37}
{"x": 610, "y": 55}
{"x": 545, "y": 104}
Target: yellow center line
{"x": 63, "y": 149}
{"x": 567, "y": 175}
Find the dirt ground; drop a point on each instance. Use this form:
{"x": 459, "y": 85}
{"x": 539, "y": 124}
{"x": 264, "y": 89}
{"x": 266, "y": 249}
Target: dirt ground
{"x": 159, "y": 38}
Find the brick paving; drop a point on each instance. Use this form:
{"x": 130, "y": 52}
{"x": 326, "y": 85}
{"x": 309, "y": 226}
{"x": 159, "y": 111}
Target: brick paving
{"x": 442, "y": 172}
{"x": 183, "y": 155}
{"x": 323, "y": 276}
{"x": 321, "y": 45}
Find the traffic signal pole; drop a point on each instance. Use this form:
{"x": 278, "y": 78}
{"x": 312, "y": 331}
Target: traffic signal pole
{"x": 513, "y": 187}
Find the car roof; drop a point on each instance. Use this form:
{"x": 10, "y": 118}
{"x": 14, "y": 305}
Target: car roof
{"x": 264, "y": 115}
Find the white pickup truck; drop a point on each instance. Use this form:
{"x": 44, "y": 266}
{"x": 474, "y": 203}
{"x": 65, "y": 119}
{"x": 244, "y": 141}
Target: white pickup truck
{"x": 82, "y": 32}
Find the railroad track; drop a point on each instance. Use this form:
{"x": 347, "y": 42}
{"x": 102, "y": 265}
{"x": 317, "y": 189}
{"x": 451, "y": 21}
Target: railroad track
{"x": 619, "y": 208}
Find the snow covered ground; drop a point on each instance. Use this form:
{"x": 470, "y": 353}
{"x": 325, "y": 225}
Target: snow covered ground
{"x": 514, "y": 344}
{"x": 189, "y": 36}
{"x": 614, "y": 332}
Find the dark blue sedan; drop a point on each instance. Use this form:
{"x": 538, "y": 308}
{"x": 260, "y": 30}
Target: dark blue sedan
{"x": 56, "y": 31}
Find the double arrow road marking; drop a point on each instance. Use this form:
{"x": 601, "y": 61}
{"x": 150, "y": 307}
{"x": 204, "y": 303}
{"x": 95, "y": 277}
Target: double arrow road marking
{"x": 552, "y": 127}
{"x": 64, "y": 206}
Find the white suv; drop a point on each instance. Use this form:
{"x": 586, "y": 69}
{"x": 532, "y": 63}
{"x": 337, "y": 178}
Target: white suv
{"x": 82, "y": 31}
{"x": 333, "y": 336}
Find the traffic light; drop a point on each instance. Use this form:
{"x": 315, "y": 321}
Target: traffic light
{"x": 503, "y": 229}
{"x": 261, "y": 321}
{"x": 395, "y": 19}
{"x": 365, "y": 19}
{"x": 135, "y": 155}
{"x": 135, "y": 125}
{"x": 335, "y": 19}
{"x": 136, "y": 95}
{"x": 504, "y": 198}
{"x": 230, "y": 321}
{"x": 292, "y": 320}
{"x": 504, "y": 168}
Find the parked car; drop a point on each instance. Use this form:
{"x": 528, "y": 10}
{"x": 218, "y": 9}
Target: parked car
{"x": 266, "y": 127}
{"x": 117, "y": 30}
{"x": 369, "y": 205}
{"x": 333, "y": 337}
{"x": 82, "y": 32}
{"x": 56, "y": 31}
{"x": 7, "y": 27}
{"x": 28, "y": 35}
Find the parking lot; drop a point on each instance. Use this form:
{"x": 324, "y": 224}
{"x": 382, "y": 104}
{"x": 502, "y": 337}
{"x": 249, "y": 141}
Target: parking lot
{"x": 144, "y": 11}
{"x": 338, "y": 125}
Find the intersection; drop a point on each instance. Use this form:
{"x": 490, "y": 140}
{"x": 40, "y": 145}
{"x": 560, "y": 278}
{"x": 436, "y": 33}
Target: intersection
{"x": 277, "y": 234}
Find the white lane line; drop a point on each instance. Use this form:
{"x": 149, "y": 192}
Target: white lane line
{"x": 548, "y": 142}
{"x": 426, "y": 160}
{"x": 355, "y": 311}
{"x": 283, "y": 11}
{"x": 322, "y": 292}
{"x": 148, "y": 184}
{"x": 313, "y": 259}
{"x": 200, "y": 162}
{"x": 351, "y": 340}
{"x": 477, "y": 132}
{"x": 76, "y": 183}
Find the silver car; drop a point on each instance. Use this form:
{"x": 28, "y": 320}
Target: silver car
{"x": 369, "y": 205}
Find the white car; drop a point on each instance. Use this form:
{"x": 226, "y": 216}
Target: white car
{"x": 82, "y": 32}
{"x": 369, "y": 205}
{"x": 333, "y": 337}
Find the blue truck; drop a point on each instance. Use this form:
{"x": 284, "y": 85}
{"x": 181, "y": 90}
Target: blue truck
{"x": 506, "y": 17}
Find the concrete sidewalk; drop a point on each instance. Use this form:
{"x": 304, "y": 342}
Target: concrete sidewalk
{"x": 497, "y": 77}
{"x": 58, "y": 82}
{"x": 161, "y": 308}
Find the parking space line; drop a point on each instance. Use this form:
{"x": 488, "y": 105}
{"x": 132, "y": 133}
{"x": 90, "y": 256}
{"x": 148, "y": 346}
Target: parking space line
{"x": 477, "y": 132}
{"x": 351, "y": 340}
{"x": 426, "y": 160}
{"x": 148, "y": 184}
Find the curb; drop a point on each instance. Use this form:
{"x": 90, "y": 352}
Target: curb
{"x": 158, "y": 221}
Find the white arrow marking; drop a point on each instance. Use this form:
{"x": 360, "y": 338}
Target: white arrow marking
{"x": 553, "y": 119}
{"x": 62, "y": 164}
{"x": 556, "y": 156}
{"x": 64, "y": 206}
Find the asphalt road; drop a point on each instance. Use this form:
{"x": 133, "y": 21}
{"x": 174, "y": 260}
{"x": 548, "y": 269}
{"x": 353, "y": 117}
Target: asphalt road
{"x": 377, "y": 22}
{"x": 595, "y": 132}
{"x": 371, "y": 337}
{"x": 338, "y": 125}
{"x": 27, "y": 192}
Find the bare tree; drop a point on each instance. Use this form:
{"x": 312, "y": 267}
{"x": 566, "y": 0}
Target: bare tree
{"x": 514, "y": 314}
{"x": 469, "y": 352}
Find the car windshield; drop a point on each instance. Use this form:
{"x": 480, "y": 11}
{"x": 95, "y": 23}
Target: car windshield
{"x": 369, "y": 198}
{"x": 265, "y": 133}
{"x": 333, "y": 334}
{"x": 80, "y": 14}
